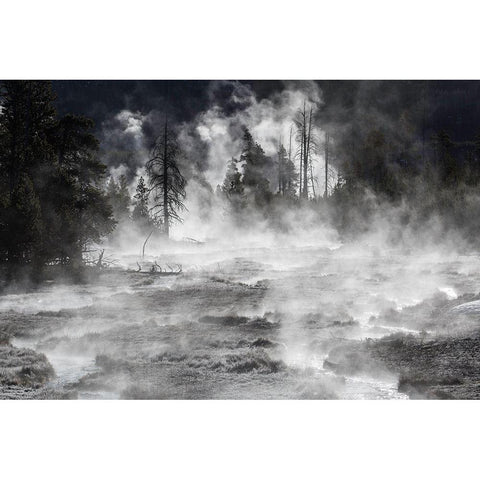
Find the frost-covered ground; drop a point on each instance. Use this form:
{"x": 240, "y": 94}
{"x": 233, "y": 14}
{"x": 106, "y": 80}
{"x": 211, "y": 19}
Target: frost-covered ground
{"x": 310, "y": 322}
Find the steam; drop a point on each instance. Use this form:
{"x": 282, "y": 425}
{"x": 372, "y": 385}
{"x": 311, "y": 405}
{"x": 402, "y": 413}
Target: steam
{"x": 214, "y": 135}
{"x": 209, "y": 141}
{"x": 269, "y": 120}
{"x": 305, "y": 273}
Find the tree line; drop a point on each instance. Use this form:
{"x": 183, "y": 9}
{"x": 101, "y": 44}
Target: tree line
{"x": 56, "y": 199}
{"x": 51, "y": 202}
{"x": 289, "y": 174}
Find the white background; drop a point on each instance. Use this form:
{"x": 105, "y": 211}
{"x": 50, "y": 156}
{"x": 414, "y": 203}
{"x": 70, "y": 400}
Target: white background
{"x": 238, "y": 40}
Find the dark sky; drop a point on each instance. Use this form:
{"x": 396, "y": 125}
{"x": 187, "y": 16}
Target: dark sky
{"x": 183, "y": 99}
{"x": 453, "y": 105}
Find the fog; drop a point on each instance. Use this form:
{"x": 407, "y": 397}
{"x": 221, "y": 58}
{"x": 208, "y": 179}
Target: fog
{"x": 254, "y": 303}
{"x": 132, "y": 335}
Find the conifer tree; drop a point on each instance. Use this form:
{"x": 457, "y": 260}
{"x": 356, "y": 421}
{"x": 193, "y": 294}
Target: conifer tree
{"x": 233, "y": 179}
{"x": 256, "y": 169}
{"x": 49, "y": 177}
{"x": 140, "y": 214}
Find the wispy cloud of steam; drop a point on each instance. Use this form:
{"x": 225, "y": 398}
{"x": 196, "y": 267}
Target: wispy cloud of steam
{"x": 269, "y": 120}
{"x": 210, "y": 140}
{"x": 124, "y": 149}
{"x": 215, "y": 136}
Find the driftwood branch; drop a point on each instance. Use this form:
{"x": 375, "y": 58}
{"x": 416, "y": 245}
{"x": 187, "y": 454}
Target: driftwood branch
{"x": 145, "y": 243}
{"x": 157, "y": 269}
{"x": 101, "y": 261}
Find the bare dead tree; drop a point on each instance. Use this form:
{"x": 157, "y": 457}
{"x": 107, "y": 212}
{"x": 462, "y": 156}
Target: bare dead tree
{"x": 306, "y": 140}
{"x": 166, "y": 180}
{"x": 300, "y": 167}
{"x": 102, "y": 261}
{"x": 308, "y": 146}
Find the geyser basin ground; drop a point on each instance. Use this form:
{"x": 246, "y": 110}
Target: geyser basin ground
{"x": 251, "y": 323}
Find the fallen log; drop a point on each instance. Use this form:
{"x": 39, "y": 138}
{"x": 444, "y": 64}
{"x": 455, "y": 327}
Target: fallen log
{"x": 158, "y": 274}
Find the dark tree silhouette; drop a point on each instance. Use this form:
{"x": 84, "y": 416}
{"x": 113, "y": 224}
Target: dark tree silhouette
{"x": 140, "y": 214}
{"x": 256, "y": 169}
{"x": 232, "y": 184}
{"x": 166, "y": 180}
{"x": 287, "y": 175}
{"x": 26, "y": 122}
{"x": 75, "y": 196}
{"x": 49, "y": 175}
{"x": 307, "y": 147}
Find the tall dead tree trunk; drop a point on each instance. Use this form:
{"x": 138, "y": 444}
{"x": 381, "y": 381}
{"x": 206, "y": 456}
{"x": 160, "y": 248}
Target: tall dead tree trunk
{"x": 166, "y": 217}
{"x": 308, "y": 146}
{"x": 300, "y": 185}
{"x": 166, "y": 180}
{"x": 312, "y": 180}
{"x": 305, "y": 154}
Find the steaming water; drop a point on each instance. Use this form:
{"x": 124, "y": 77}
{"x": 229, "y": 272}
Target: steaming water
{"x": 121, "y": 316}
{"x": 54, "y": 299}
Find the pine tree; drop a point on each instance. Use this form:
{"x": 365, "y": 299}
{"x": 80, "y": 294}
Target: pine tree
{"x": 232, "y": 185}
{"x": 140, "y": 214}
{"x": 26, "y": 122}
{"x": 256, "y": 168}
{"x": 82, "y": 207}
{"x": 48, "y": 174}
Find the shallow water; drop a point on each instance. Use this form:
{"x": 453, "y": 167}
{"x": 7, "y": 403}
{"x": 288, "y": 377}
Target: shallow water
{"x": 122, "y": 315}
